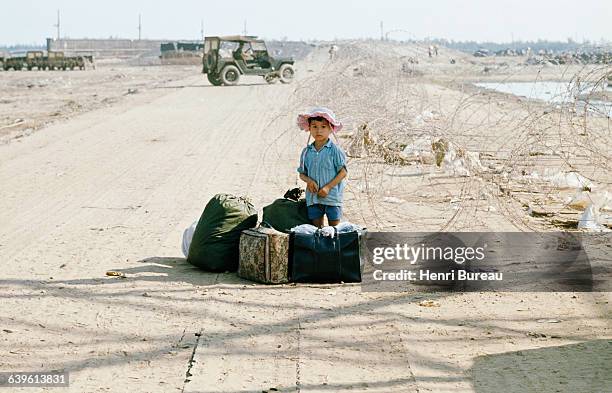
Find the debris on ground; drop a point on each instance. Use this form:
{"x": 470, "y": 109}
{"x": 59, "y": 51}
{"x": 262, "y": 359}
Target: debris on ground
{"x": 429, "y": 303}
{"x": 419, "y": 150}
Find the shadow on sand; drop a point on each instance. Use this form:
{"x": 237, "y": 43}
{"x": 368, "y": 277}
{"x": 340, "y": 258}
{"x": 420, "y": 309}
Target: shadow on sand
{"x": 583, "y": 367}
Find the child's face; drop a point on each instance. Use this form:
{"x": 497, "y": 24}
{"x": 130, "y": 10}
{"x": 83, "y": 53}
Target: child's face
{"x": 319, "y": 130}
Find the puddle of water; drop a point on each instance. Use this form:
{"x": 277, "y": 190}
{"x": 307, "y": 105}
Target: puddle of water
{"x": 554, "y": 93}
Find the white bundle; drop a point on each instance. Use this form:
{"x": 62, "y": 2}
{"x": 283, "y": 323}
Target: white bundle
{"x": 187, "y": 237}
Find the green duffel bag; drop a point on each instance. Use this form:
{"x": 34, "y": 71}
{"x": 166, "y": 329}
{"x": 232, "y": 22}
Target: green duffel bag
{"x": 284, "y": 214}
{"x": 216, "y": 239}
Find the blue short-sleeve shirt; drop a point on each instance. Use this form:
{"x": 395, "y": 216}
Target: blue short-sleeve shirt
{"x": 322, "y": 166}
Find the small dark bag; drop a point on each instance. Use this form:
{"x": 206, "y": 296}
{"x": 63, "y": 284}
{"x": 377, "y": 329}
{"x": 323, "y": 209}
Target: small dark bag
{"x": 321, "y": 259}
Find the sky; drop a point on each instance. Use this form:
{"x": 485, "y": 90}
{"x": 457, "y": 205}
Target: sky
{"x": 31, "y": 21}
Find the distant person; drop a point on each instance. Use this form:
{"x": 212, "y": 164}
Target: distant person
{"x": 322, "y": 167}
{"x": 430, "y": 50}
{"x": 436, "y": 49}
{"x": 332, "y": 52}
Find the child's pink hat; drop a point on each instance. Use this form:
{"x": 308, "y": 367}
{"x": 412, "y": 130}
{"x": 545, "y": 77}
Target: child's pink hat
{"x": 327, "y": 114}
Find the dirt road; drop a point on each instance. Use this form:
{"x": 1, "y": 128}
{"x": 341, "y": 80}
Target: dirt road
{"x": 113, "y": 189}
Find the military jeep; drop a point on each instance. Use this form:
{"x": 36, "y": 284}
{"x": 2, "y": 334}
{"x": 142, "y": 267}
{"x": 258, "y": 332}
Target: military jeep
{"x": 226, "y": 58}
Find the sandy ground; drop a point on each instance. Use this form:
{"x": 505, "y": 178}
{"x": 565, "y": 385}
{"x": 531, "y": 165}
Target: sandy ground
{"x": 113, "y": 188}
{"x": 34, "y": 99}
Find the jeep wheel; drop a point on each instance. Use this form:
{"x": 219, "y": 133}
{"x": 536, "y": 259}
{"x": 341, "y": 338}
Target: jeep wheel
{"x": 230, "y": 75}
{"x": 286, "y": 73}
{"x": 214, "y": 79}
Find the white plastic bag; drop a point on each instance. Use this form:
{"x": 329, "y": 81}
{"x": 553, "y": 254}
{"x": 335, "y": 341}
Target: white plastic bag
{"x": 420, "y": 149}
{"x": 345, "y": 227}
{"x": 306, "y": 229}
{"x": 187, "y": 237}
{"x": 606, "y": 202}
{"x": 566, "y": 180}
{"x": 328, "y": 231}
{"x": 590, "y": 220}
{"x": 453, "y": 164}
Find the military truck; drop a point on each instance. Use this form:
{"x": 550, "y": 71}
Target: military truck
{"x": 226, "y": 58}
{"x": 56, "y": 61}
{"x": 35, "y": 59}
{"x": 16, "y": 63}
{"x": 52, "y": 61}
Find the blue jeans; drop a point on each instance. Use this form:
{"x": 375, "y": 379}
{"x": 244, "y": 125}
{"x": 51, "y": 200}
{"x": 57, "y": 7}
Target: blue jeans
{"x": 317, "y": 210}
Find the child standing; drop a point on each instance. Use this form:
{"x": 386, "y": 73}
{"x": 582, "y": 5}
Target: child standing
{"x": 322, "y": 167}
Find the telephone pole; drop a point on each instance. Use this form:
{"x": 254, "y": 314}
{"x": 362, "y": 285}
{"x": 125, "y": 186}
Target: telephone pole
{"x": 58, "y": 24}
{"x": 244, "y": 32}
{"x": 382, "y": 32}
{"x": 202, "y": 29}
{"x": 139, "y": 27}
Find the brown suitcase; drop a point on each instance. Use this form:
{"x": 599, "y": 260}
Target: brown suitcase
{"x": 264, "y": 255}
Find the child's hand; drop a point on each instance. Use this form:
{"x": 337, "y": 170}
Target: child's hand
{"x": 323, "y": 192}
{"x": 312, "y": 186}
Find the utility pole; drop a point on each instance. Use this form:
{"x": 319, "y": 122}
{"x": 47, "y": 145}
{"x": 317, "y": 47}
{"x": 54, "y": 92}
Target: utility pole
{"x": 202, "y": 29}
{"x": 382, "y": 34}
{"x": 244, "y": 32}
{"x": 58, "y": 24}
{"x": 139, "y": 27}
